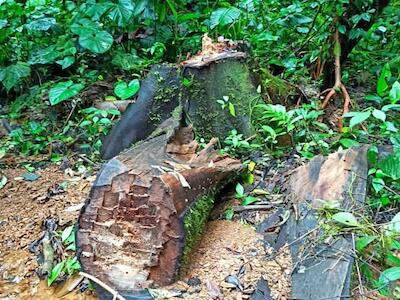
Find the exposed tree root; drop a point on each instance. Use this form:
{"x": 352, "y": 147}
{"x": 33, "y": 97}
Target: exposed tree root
{"x": 338, "y": 86}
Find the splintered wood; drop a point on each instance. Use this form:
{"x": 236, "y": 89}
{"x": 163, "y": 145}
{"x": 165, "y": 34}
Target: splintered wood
{"x": 131, "y": 233}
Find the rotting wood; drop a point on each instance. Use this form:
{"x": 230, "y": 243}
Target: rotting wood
{"x": 323, "y": 267}
{"x": 132, "y": 231}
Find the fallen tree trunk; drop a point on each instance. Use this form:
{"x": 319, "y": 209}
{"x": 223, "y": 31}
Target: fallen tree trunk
{"x": 146, "y": 209}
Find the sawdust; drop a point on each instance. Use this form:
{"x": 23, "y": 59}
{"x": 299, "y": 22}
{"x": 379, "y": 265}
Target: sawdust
{"x": 230, "y": 248}
{"x": 25, "y": 205}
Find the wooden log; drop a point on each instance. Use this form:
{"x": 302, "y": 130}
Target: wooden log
{"x": 145, "y": 208}
{"x": 322, "y": 267}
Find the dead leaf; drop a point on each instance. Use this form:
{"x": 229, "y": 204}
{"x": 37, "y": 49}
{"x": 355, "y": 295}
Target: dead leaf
{"x": 213, "y": 290}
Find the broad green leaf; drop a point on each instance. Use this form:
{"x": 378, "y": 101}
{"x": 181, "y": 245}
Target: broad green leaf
{"x": 239, "y": 190}
{"x": 10, "y": 76}
{"x": 224, "y": 16}
{"x": 358, "y": 117}
{"x": 378, "y": 114}
{"x": 97, "y": 10}
{"x": 382, "y": 85}
{"x": 390, "y": 274}
{"x": 84, "y": 27}
{"x": 121, "y": 12}
{"x": 44, "y": 55}
{"x": 394, "y": 94}
{"x": 347, "y": 143}
{"x": 346, "y": 218}
{"x": 125, "y": 91}
{"x": 63, "y": 91}
{"x": 127, "y": 61}
{"x": 42, "y": 24}
{"x": 378, "y": 184}
{"x": 391, "y": 165}
{"x": 373, "y": 98}
{"x": 55, "y": 272}
{"x": 98, "y": 42}
{"x": 364, "y": 241}
{"x": 249, "y": 200}
{"x": 66, "y": 62}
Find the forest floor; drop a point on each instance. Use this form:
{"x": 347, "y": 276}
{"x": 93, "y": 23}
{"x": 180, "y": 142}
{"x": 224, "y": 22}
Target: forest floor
{"x": 229, "y": 260}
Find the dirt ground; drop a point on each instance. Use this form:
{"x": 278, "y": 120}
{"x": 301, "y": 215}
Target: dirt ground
{"x": 25, "y": 205}
{"x": 227, "y": 247}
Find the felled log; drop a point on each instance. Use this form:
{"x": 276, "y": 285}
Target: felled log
{"x": 322, "y": 267}
{"x": 146, "y": 207}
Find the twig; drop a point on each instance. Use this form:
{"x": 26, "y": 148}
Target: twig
{"x": 252, "y": 207}
{"x": 113, "y": 292}
{"x": 360, "y": 287}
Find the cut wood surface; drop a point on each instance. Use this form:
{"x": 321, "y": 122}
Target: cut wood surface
{"x": 131, "y": 233}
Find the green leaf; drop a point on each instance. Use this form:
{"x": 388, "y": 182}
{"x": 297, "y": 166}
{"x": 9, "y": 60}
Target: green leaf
{"x": 390, "y": 274}
{"x": 378, "y": 184}
{"x": 229, "y": 213}
{"x": 249, "y": 200}
{"x": 392, "y": 260}
{"x": 231, "y": 108}
{"x": 372, "y": 154}
{"x": 346, "y": 218}
{"x": 239, "y": 190}
{"x": 394, "y": 94}
{"x": 11, "y": 75}
{"x": 98, "y": 42}
{"x": 382, "y": 85}
{"x": 72, "y": 265}
{"x": 125, "y": 91}
{"x": 63, "y": 91}
{"x": 42, "y": 24}
{"x": 56, "y": 272}
{"x": 66, "y": 62}
{"x": 121, "y": 12}
{"x": 393, "y": 228}
{"x": 364, "y": 241}
{"x": 224, "y": 16}
{"x": 347, "y": 143}
{"x": 66, "y": 233}
{"x": 44, "y": 55}
{"x": 357, "y": 117}
{"x": 378, "y": 114}
{"x": 84, "y": 27}
{"x": 391, "y": 165}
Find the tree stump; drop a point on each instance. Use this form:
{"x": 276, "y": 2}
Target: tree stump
{"x": 148, "y": 204}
